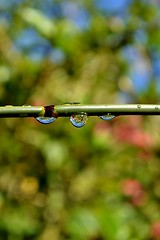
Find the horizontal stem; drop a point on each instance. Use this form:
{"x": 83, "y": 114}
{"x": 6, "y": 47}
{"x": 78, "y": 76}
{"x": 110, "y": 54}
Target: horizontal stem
{"x": 21, "y": 111}
{"x": 99, "y": 110}
{"x": 66, "y": 110}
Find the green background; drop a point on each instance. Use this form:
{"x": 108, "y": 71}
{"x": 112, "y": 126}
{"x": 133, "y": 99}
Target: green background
{"x": 99, "y": 182}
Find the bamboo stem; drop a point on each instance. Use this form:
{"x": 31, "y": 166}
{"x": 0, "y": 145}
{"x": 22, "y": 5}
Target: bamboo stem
{"x": 21, "y": 111}
{"x": 99, "y": 110}
{"x": 66, "y": 110}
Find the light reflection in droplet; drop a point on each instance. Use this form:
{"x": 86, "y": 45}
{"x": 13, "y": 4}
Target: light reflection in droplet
{"x": 79, "y": 120}
{"x": 107, "y": 117}
{"x": 45, "y": 120}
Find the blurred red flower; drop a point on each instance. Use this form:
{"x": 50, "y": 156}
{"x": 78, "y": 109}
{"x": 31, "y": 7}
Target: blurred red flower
{"x": 127, "y": 131}
{"x": 155, "y": 230}
{"x": 132, "y": 134}
{"x": 133, "y": 189}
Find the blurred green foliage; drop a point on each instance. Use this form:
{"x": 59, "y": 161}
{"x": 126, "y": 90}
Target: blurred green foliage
{"x": 58, "y": 182}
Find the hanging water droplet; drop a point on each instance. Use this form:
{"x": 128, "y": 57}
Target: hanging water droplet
{"x": 45, "y": 120}
{"x": 107, "y": 117}
{"x": 79, "y": 120}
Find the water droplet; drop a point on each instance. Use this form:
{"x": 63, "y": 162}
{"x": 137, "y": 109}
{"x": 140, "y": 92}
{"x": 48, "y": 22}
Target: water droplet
{"x": 107, "y": 117}
{"x": 45, "y": 120}
{"x": 138, "y": 106}
{"x": 71, "y": 103}
{"x": 79, "y": 120}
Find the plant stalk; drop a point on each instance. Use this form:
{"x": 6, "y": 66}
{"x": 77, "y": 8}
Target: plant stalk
{"x": 66, "y": 110}
{"x": 100, "y": 110}
{"x": 21, "y": 111}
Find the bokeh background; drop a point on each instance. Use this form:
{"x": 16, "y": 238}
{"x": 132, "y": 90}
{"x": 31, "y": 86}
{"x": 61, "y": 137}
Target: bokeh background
{"x": 100, "y": 182}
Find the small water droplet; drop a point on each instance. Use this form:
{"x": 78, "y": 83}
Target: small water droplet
{"x": 107, "y": 117}
{"x": 79, "y": 120}
{"x": 45, "y": 120}
{"x": 138, "y": 106}
{"x": 157, "y": 108}
{"x": 71, "y": 103}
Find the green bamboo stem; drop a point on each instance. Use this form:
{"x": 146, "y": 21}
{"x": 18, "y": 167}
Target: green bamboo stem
{"x": 21, "y": 111}
{"x": 99, "y": 110}
{"x": 66, "y": 110}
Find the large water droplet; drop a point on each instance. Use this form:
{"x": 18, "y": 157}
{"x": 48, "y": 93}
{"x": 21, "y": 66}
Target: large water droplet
{"x": 79, "y": 120}
{"x": 45, "y": 120}
{"x": 107, "y": 117}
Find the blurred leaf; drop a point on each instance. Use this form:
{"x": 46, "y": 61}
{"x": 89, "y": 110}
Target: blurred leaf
{"x": 35, "y": 17}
